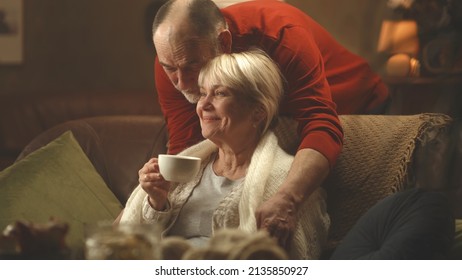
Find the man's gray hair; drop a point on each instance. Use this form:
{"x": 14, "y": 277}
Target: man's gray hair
{"x": 203, "y": 16}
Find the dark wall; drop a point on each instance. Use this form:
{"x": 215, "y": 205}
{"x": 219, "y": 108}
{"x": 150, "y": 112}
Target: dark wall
{"x": 82, "y": 45}
{"x": 103, "y": 45}
{"x": 354, "y": 23}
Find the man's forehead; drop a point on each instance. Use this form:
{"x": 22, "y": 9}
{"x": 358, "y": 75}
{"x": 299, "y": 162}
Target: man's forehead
{"x": 176, "y": 33}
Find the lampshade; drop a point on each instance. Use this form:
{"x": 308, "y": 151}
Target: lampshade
{"x": 399, "y": 36}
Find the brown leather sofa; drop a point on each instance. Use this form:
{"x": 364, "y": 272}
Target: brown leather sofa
{"x": 24, "y": 116}
{"x": 382, "y": 155}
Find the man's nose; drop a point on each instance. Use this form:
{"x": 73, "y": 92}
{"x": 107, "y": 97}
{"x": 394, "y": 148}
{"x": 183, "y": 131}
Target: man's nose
{"x": 184, "y": 81}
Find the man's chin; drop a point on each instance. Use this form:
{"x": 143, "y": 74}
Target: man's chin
{"x": 191, "y": 97}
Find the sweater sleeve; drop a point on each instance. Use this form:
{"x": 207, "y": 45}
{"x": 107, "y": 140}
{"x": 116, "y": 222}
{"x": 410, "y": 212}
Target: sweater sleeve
{"x": 308, "y": 97}
{"x": 151, "y": 216}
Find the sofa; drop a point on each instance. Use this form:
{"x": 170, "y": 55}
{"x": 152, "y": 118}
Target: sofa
{"x": 26, "y": 115}
{"x": 382, "y": 155}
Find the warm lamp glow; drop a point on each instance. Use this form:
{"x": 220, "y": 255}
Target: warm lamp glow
{"x": 399, "y": 37}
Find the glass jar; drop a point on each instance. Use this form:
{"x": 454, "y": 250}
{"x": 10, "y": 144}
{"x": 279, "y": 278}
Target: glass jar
{"x": 123, "y": 242}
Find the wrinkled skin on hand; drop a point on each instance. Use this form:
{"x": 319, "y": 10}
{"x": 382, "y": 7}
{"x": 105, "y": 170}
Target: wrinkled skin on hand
{"x": 154, "y": 184}
{"x": 278, "y": 216}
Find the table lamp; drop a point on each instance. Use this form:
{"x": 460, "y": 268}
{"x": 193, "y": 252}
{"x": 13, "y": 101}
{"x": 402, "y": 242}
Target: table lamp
{"x": 399, "y": 39}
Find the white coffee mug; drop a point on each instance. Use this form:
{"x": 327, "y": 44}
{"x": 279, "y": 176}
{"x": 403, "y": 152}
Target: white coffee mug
{"x": 181, "y": 169}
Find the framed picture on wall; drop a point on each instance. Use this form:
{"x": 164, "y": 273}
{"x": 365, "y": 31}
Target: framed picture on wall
{"x": 11, "y": 31}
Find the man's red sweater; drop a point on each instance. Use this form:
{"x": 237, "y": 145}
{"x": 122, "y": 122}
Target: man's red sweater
{"x": 323, "y": 78}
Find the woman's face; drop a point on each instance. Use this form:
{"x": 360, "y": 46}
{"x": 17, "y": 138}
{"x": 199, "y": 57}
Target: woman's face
{"x": 224, "y": 115}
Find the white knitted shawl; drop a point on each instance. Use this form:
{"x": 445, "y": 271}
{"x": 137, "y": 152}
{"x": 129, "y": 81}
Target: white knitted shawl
{"x": 267, "y": 170}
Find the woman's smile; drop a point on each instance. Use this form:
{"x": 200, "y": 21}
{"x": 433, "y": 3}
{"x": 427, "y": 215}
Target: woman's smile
{"x": 210, "y": 119}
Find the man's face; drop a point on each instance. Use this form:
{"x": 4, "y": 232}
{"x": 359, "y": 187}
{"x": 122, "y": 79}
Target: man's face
{"x": 182, "y": 57}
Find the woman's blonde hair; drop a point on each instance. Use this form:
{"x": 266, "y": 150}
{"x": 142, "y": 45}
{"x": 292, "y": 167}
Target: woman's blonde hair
{"x": 251, "y": 74}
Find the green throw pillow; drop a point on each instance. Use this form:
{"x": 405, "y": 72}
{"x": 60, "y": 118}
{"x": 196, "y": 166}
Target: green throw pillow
{"x": 456, "y": 251}
{"x": 56, "y": 181}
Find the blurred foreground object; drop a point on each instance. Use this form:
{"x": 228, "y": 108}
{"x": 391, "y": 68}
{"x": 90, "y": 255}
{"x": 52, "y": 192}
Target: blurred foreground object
{"x": 226, "y": 244}
{"x": 26, "y": 240}
{"x": 123, "y": 242}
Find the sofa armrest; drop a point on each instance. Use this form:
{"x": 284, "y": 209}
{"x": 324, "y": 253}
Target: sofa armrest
{"x": 382, "y": 154}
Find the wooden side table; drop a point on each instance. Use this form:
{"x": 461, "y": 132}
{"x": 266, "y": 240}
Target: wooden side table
{"x": 425, "y": 95}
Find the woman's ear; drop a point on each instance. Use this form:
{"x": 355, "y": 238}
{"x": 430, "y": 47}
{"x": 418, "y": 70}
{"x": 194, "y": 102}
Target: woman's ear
{"x": 226, "y": 40}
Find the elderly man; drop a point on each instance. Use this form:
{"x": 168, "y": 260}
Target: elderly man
{"x": 323, "y": 79}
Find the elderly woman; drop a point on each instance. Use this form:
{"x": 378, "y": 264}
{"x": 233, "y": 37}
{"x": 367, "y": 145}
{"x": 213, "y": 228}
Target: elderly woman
{"x": 242, "y": 164}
